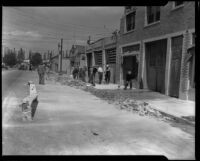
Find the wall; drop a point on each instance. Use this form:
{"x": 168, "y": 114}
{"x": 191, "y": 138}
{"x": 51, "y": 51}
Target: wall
{"x": 170, "y": 21}
{"x": 66, "y": 65}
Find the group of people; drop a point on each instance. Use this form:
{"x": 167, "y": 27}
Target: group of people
{"x": 79, "y": 73}
{"x": 42, "y": 71}
{"x": 94, "y": 70}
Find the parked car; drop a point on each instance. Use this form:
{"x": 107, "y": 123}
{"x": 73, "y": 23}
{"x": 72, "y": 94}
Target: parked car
{"x": 3, "y": 66}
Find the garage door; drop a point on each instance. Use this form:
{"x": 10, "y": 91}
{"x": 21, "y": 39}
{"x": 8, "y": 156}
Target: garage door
{"x": 156, "y": 60}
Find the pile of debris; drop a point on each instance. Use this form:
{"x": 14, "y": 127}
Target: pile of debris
{"x": 122, "y": 99}
{"x": 67, "y": 80}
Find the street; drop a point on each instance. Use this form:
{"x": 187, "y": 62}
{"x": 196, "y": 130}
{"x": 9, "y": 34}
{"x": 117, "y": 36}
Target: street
{"x": 70, "y": 121}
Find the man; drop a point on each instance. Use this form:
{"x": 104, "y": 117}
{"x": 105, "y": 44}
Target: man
{"x": 94, "y": 71}
{"x": 41, "y": 73}
{"x": 128, "y": 80}
{"x": 75, "y": 73}
{"x": 30, "y": 67}
{"x": 107, "y": 76}
{"x": 100, "y": 72}
{"x": 47, "y": 71}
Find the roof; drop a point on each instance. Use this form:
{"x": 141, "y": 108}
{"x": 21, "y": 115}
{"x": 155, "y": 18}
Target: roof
{"x": 80, "y": 48}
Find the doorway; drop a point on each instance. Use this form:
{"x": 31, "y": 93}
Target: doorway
{"x": 155, "y": 65}
{"x": 89, "y": 62}
{"x": 130, "y": 63}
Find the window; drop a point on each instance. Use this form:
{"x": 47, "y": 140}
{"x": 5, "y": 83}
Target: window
{"x": 130, "y": 21}
{"x": 178, "y": 3}
{"x": 111, "y": 56}
{"x": 153, "y": 14}
{"x": 98, "y": 57}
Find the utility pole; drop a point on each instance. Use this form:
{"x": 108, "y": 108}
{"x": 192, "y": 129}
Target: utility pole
{"x": 61, "y": 55}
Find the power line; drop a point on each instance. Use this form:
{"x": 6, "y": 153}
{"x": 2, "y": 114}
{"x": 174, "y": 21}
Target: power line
{"x": 48, "y": 33}
{"x": 52, "y": 23}
{"x": 69, "y": 24}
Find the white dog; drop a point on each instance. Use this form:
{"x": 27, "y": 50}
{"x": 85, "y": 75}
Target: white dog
{"x": 27, "y": 101}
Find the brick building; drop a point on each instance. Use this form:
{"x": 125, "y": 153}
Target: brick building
{"x": 153, "y": 43}
{"x": 101, "y": 53}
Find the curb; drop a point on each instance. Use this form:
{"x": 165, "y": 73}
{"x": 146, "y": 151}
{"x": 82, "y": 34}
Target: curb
{"x": 176, "y": 118}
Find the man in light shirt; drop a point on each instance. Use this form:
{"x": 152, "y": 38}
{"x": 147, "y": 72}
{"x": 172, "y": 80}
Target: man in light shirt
{"x": 100, "y": 72}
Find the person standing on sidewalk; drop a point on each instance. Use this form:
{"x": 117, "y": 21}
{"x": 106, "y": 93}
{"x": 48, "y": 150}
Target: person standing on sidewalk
{"x": 47, "y": 72}
{"x": 94, "y": 71}
{"x": 129, "y": 77}
{"x": 75, "y": 73}
{"x": 41, "y": 73}
{"x": 30, "y": 67}
{"x": 107, "y": 75}
{"x": 100, "y": 73}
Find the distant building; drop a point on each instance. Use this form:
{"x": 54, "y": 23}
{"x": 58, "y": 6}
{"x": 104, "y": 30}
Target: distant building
{"x": 54, "y": 61}
{"x": 77, "y": 56}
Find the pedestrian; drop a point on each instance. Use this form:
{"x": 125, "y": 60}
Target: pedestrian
{"x": 128, "y": 81}
{"x": 107, "y": 75}
{"x": 30, "y": 67}
{"x": 47, "y": 72}
{"x": 75, "y": 73}
{"x": 94, "y": 71}
{"x": 41, "y": 73}
{"x": 80, "y": 73}
{"x": 100, "y": 73}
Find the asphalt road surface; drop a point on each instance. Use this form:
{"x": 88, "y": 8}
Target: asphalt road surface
{"x": 69, "y": 121}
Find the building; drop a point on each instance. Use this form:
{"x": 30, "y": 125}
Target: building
{"x": 54, "y": 61}
{"x": 65, "y": 63}
{"x": 101, "y": 53}
{"x": 153, "y": 43}
{"x": 77, "y": 56}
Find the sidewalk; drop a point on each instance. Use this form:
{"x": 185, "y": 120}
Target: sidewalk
{"x": 169, "y": 105}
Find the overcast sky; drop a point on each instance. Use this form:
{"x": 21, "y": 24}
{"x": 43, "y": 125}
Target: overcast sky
{"x": 41, "y": 28}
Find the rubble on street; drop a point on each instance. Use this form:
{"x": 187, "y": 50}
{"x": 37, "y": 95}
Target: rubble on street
{"x": 123, "y": 100}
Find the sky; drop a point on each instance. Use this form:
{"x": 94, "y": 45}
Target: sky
{"x": 41, "y": 28}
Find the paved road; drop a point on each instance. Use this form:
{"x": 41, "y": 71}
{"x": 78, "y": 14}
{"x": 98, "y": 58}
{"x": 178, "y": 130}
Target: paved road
{"x": 71, "y": 121}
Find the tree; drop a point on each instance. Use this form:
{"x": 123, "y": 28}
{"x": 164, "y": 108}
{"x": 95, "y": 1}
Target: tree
{"x": 36, "y": 59}
{"x": 10, "y": 58}
{"x": 20, "y": 56}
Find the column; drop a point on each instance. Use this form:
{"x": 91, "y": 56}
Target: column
{"x": 118, "y": 65}
{"x": 168, "y": 66}
{"x": 93, "y": 59}
{"x": 184, "y": 77}
{"x": 143, "y": 65}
